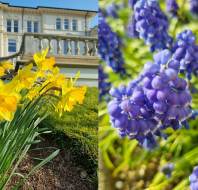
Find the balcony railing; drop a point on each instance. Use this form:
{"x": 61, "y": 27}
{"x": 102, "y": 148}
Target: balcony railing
{"x": 77, "y": 48}
{"x": 81, "y": 50}
{"x": 75, "y": 45}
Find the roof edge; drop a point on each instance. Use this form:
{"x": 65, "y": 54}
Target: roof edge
{"x": 46, "y": 7}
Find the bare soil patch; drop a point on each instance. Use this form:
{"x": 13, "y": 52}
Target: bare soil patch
{"x": 62, "y": 173}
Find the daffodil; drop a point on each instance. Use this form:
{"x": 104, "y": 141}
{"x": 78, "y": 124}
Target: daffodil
{"x": 40, "y": 57}
{"x": 34, "y": 92}
{"x": 25, "y": 78}
{"x": 47, "y": 64}
{"x": 70, "y": 99}
{"x": 64, "y": 87}
{"x": 7, "y": 65}
{"x": 44, "y": 79}
{"x": 8, "y": 102}
{"x": 54, "y": 79}
{"x": 43, "y": 63}
{"x": 2, "y": 71}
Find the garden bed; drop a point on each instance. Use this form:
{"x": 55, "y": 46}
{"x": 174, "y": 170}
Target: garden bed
{"x": 63, "y": 172}
{"x": 75, "y": 135}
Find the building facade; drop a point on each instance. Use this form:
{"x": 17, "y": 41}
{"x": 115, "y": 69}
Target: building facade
{"x": 16, "y": 20}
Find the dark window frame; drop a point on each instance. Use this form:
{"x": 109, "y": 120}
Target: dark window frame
{"x": 36, "y": 29}
{"x": 66, "y": 24}
{"x": 16, "y": 26}
{"x": 12, "y": 46}
{"x": 74, "y": 25}
{"x": 9, "y": 26}
{"x": 29, "y": 26}
{"x": 58, "y": 24}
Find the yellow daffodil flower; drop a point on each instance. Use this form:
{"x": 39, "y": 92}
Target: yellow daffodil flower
{"x": 48, "y": 64}
{"x": 25, "y": 78}
{"x": 34, "y": 92}
{"x": 43, "y": 63}
{"x": 58, "y": 81}
{"x": 70, "y": 99}
{"x": 2, "y": 71}
{"x": 7, "y": 65}
{"x": 8, "y": 102}
{"x": 40, "y": 57}
{"x": 44, "y": 79}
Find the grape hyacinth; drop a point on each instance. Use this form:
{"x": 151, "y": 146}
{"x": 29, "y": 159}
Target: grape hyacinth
{"x": 112, "y": 10}
{"x": 151, "y": 24}
{"x": 194, "y": 6}
{"x": 167, "y": 169}
{"x": 167, "y": 94}
{"x": 131, "y": 115}
{"x": 185, "y": 52}
{"x": 109, "y": 46}
{"x": 104, "y": 85}
{"x": 158, "y": 99}
{"x": 194, "y": 179}
{"x": 132, "y": 3}
{"x": 131, "y": 28}
{"x": 172, "y": 7}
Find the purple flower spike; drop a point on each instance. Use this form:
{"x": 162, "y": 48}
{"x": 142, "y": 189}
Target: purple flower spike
{"x": 145, "y": 107}
{"x": 104, "y": 85}
{"x": 194, "y": 6}
{"x": 194, "y": 179}
{"x": 172, "y": 7}
{"x": 109, "y": 46}
{"x": 150, "y": 24}
{"x": 132, "y": 3}
{"x": 167, "y": 169}
{"x": 185, "y": 52}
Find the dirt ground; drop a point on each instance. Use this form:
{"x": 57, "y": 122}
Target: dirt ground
{"x": 63, "y": 173}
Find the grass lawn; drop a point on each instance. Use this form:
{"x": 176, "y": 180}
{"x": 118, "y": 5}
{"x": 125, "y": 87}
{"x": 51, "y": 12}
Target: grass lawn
{"x": 80, "y": 125}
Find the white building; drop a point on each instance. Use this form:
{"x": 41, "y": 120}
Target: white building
{"x": 57, "y": 23}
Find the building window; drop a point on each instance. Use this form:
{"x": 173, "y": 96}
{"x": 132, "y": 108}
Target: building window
{"x": 16, "y": 26}
{"x": 36, "y": 25}
{"x": 11, "y": 46}
{"x": 58, "y": 24}
{"x": 29, "y": 26}
{"x": 66, "y": 24}
{"x": 9, "y": 25}
{"x": 74, "y": 25}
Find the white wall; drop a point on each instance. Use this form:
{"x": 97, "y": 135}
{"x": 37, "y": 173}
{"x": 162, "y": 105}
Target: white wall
{"x": 18, "y": 16}
{"x": 47, "y": 24}
{"x": 88, "y": 76}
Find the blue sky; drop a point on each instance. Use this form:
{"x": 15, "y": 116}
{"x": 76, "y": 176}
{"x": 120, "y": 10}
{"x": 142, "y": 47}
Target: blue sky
{"x": 73, "y": 4}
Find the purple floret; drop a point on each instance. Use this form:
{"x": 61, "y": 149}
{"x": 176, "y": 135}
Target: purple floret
{"x": 149, "y": 23}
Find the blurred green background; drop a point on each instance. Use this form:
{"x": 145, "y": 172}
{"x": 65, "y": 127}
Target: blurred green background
{"x": 123, "y": 164}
